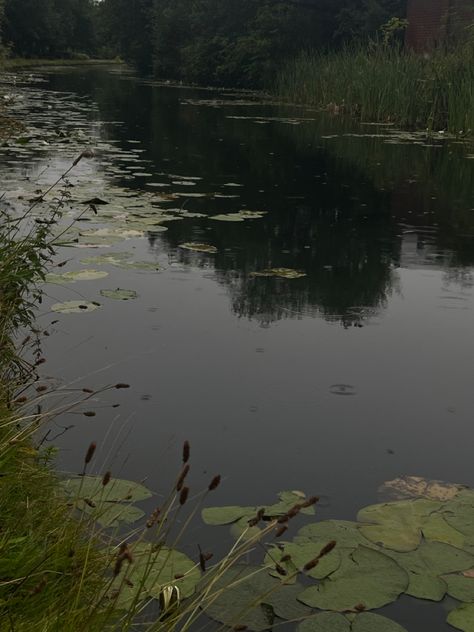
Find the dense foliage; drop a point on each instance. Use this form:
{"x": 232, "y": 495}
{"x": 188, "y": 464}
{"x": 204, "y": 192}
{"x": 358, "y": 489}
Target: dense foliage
{"x": 223, "y": 42}
{"x": 235, "y": 42}
{"x": 48, "y": 28}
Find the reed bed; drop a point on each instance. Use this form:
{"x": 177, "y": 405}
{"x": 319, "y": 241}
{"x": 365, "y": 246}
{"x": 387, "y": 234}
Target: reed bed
{"x": 385, "y": 84}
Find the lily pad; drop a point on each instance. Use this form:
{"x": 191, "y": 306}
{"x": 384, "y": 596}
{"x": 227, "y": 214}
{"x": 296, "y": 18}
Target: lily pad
{"x": 365, "y": 577}
{"x": 153, "y": 569}
{"x": 325, "y": 622}
{"x": 397, "y": 525}
{"x": 462, "y": 618}
{"x": 119, "y": 294}
{"x": 460, "y": 587}
{"x": 74, "y": 307}
{"x": 301, "y": 554}
{"x": 112, "y": 514}
{"x": 426, "y": 564}
{"x": 284, "y": 273}
{"x": 198, "y": 247}
{"x": 371, "y": 622}
{"x": 112, "y": 258}
{"x": 345, "y": 533}
{"x": 252, "y": 598}
{"x": 240, "y": 216}
{"x": 226, "y": 515}
{"x": 117, "y": 490}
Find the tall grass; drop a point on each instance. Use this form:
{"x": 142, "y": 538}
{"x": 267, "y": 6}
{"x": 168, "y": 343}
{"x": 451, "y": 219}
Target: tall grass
{"x": 384, "y": 84}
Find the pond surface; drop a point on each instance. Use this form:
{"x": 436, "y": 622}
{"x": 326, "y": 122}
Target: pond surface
{"x": 356, "y": 371}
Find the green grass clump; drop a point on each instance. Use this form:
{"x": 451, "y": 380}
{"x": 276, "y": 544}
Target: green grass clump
{"x": 46, "y": 560}
{"x": 382, "y": 83}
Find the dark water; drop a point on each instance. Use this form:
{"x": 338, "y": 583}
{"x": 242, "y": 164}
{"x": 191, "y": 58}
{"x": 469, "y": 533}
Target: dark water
{"x": 331, "y": 383}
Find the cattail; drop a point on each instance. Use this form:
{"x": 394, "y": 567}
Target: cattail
{"x": 181, "y": 478}
{"x": 87, "y": 390}
{"x": 214, "y": 484}
{"x": 186, "y": 451}
{"x": 310, "y": 565}
{"x": 40, "y": 361}
{"x": 153, "y": 519}
{"x": 240, "y": 628}
{"x": 283, "y": 519}
{"x": 106, "y": 479}
{"x": 281, "y": 530}
{"x": 122, "y": 555}
{"x": 310, "y": 502}
{"x": 360, "y": 607}
{"x": 179, "y": 576}
{"x": 203, "y": 558}
{"x": 41, "y": 389}
{"x": 26, "y": 341}
{"x": 120, "y": 385}
{"x": 328, "y": 548}
{"x": 280, "y": 570}
{"x": 90, "y": 502}
{"x": 183, "y": 497}
{"x": 90, "y": 452}
{"x": 294, "y": 511}
{"x": 89, "y": 413}
{"x": 286, "y": 558}
{"x": 21, "y": 400}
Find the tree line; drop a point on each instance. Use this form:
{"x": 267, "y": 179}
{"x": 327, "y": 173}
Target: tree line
{"x": 222, "y": 42}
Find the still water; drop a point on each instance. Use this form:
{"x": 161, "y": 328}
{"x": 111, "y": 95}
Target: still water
{"x": 333, "y": 382}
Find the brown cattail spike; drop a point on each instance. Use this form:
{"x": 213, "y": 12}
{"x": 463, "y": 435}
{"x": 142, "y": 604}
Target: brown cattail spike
{"x": 90, "y": 452}
{"x": 106, "y": 479}
{"x": 328, "y": 548}
{"x": 181, "y": 478}
{"x": 214, "y": 484}
{"x": 281, "y": 530}
{"x": 310, "y": 502}
{"x": 183, "y": 497}
{"x": 120, "y": 385}
{"x": 186, "y": 451}
{"x": 310, "y": 565}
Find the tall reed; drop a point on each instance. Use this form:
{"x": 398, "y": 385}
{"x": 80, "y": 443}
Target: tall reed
{"x": 384, "y": 84}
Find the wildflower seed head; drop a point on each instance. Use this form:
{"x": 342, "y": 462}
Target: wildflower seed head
{"x": 183, "y": 497}
{"x": 214, "y": 484}
{"x": 90, "y": 452}
{"x": 186, "y": 451}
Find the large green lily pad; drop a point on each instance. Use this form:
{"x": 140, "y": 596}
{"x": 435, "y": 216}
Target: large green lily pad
{"x": 119, "y": 294}
{"x": 365, "y": 577}
{"x": 198, "y": 247}
{"x": 344, "y": 532}
{"x": 325, "y": 622}
{"x": 462, "y": 618}
{"x": 301, "y": 554}
{"x": 426, "y": 564}
{"x": 371, "y": 622}
{"x": 117, "y": 490}
{"x": 419, "y": 487}
{"x": 254, "y": 599}
{"x": 153, "y": 569}
{"x": 397, "y": 525}
{"x": 76, "y": 275}
{"x": 74, "y": 307}
{"x": 240, "y": 216}
{"x": 111, "y": 514}
{"x": 460, "y": 587}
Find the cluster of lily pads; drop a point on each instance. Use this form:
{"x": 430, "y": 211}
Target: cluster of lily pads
{"x": 57, "y": 129}
{"x": 421, "y": 545}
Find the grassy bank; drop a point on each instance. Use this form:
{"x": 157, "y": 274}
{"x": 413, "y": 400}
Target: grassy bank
{"x": 383, "y": 84}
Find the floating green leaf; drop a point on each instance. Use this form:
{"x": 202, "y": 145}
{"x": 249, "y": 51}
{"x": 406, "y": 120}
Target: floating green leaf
{"x": 302, "y": 553}
{"x": 119, "y": 294}
{"x": 462, "y": 618}
{"x": 370, "y": 622}
{"x": 284, "y": 273}
{"x": 117, "y": 490}
{"x": 240, "y": 216}
{"x": 74, "y": 307}
{"x": 425, "y": 565}
{"x": 111, "y": 514}
{"x": 397, "y": 525}
{"x": 226, "y": 515}
{"x": 460, "y": 587}
{"x": 365, "y": 577}
{"x": 152, "y": 569}
{"x": 76, "y": 275}
{"x": 112, "y": 258}
{"x": 198, "y": 247}
{"x": 345, "y": 533}
{"x": 253, "y": 598}
{"x": 325, "y": 622}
